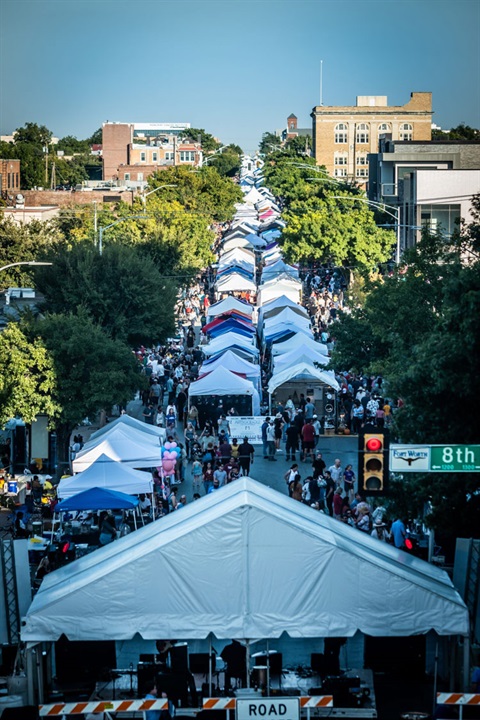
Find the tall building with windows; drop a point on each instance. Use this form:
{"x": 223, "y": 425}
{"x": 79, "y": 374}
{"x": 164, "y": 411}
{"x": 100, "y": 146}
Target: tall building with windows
{"x": 132, "y": 152}
{"x": 343, "y": 137}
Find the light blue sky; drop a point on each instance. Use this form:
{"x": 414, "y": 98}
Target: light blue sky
{"x": 233, "y": 67}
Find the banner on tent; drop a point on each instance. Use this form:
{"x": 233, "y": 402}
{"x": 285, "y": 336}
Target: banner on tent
{"x": 250, "y": 427}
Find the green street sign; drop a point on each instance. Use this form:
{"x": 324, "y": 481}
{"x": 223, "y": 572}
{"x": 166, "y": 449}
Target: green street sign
{"x": 455, "y": 458}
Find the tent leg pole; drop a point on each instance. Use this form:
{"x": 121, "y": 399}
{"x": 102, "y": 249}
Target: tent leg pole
{"x": 210, "y": 665}
{"x": 41, "y": 694}
{"x": 466, "y": 663}
{"x": 435, "y": 677}
{"x": 268, "y": 669}
{"x": 30, "y": 677}
{"x": 247, "y": 662}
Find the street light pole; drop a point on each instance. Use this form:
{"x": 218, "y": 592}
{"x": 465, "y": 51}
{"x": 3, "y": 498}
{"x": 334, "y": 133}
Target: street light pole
{"x": 145, "y": 195}
{"x": 24, "y": 262}
{"x": 117, "y": 222}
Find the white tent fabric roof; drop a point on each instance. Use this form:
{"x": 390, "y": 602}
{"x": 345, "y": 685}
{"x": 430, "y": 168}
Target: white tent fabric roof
{"x": 236, "y": 242}
{"x": 221, "y": 382}
{"x": 135, "y": 434}
{"x": 132, "y": 422}
{"x": 223, "y": 342}
{"x": 119, "y": 446}
{"x": 250, "y": 562}
{"x": 106, "y": 473}
{"x": 231, "y": 361}
{"x": 279, "y": 302}
{"x": 279, "y": 287}
{"x": 277, "y": 268}
{"x": 302, "y": 353}
{"x": 287, "y": 315}
{"x": 302, "y": 371}
{"x": 224, "y": 382}
{"x": 299, "y": 310}
{"x": 296, "y": 342}
{"x": 230, "y": 303}
{"x": 234, "y": 282}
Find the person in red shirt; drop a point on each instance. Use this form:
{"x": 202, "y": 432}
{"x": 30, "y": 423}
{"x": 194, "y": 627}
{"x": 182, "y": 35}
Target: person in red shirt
{"x": 308, "y": 440}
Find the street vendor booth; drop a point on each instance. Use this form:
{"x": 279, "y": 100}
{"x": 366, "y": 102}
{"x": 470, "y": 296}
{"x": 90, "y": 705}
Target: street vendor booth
{"x": 107, "y": 474}
{"x": 281, "y": 285}
{"x": 230, "y": 303}
{"x": 119, "y": 445}
{"x": 234, "y": 390}
{"x": 303, "y": 377}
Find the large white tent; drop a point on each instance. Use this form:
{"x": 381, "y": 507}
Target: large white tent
{"x": 135, "y": 434}
{"x": 119, "y": 445}
{"x": 278, "y": 304}
{"x": 245, "y": 562}
{"x": 301, "y": 372}
{"x": 106, "y": 473}
{"x": 225, "y": 382}
{"x": 288, "y": 316}
{"x": 222, "y": 342}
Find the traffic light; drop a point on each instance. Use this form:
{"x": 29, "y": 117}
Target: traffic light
{"x": 373, "y": 451}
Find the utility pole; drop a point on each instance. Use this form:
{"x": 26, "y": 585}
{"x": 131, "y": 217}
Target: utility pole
{"x": 53, "y": 179}
{"x": 95, "y": 222}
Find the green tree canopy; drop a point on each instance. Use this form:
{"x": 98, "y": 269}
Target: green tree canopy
{"x": 457, "y": 134}
{"x": 20, "y": 243}
{"x": 269, "y": 142}
{"x": 27, "y": 377}
{"x": 94, "y": 371}
{"x": 121, "y": 290}
{"x": 70, "y": 145}
{"x": 323, "y": 230}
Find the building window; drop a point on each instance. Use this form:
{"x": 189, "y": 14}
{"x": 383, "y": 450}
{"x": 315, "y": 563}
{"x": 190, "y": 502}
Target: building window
{"x": 169, "y": 156}
{"x": 341, "y": 133}
{"x": 341, "y": 159}
{"x": 406, "y": 131}
{"x": 143, "y": 157}
{"x": 187, "y": 155}
{"x": 362, "y": 172}
{"x": 154, "y": 157}
{"x": 340, "y": 172}
{"x": 139, "y": 177}
{"x": 126, "y": 176}
{"x": 17, "y": 183}
{"x": 362, "y": 134}
{"x": 384, "y": 128}
{"x": 362, "y": 160}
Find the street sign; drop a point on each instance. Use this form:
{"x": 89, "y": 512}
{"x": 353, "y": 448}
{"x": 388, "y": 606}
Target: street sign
{"x": 455, "y": 458}
{"x": 409, "y": 458}
{"x": 434, "y": 458}
{"x": 270, "y": 708}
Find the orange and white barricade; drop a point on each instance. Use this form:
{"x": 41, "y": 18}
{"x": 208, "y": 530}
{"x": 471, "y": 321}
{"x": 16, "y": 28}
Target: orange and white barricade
{"x": 316, "y": 701}
{"x": 219, "y": 703}
{"x": 103, "y": 706}
{"x": 460, "y": 699}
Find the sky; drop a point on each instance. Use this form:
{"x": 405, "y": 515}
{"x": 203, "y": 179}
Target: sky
{"x": 236, "y": 68}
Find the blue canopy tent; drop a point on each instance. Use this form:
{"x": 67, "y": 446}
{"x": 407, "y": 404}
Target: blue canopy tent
{"x": 98, "y": 499}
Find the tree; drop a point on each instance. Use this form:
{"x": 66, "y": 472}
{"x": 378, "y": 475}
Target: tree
{"x": 420, "y": 329}
{"x": 457, "y": 134}
{"x": 27, "y": 377}
{"x": 268, "y": 140}
{"x": 207, "y": 141}
{"x": 291, "y": 178}
{"x": 28, "y": 147}
{"x": 93, "y": 371}
{"x": 96, "y": 138}
{"x": 70, "y": 145}
{"x": 121, "y": 290}
{"x": 301, "y": 144}
{"x": 31, "y": 241}
{"x": 227, "y": 163}
{"x": 325, "y": 231}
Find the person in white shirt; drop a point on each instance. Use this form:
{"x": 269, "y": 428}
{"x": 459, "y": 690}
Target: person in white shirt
{"x": 336, "y": 472}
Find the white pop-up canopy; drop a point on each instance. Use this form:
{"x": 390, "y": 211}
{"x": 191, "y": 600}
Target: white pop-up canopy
{"x": 225, "y": 382}
{"x": 288, "y": 316}
{"x": 300, "y": 354}
{"x": 231, "y": 361}
{"x": 229, "y": 303}
{"x": 249, "y": 562}
{"x": 135, "y": 434}
{"x": 234, "y": 282}
{"x": 278, "y": 304}
{"x": 108, "y": 474}
{"x": 283, "y": 285}
{"x": 297, "y": 341}
{"x": 131, "y": 422}
{"x": 302, "y": 372}
{"x": 236, "y": 242}
{"x": 120, "y": 445}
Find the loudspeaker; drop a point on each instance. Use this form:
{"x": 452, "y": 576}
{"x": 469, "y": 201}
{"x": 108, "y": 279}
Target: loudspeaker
{"x": 179, "y": 658}
{"x": 276, "y": 660}
{"x": 78, "y": 661}
{"x": 146, "y": 673}
{"x": 317, "y": 663}
{"x": 199, "y": 663}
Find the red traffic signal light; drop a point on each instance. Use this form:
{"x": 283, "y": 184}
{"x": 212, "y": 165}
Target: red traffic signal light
{"x": 374, "y": 444}
{"x": 373, "y": 450}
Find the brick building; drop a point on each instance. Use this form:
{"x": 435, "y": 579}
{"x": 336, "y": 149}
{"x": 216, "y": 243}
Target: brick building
{"x": 9, "y": 177}
{"x": 134, "y": 151}
{"x": 343, "y": 137}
